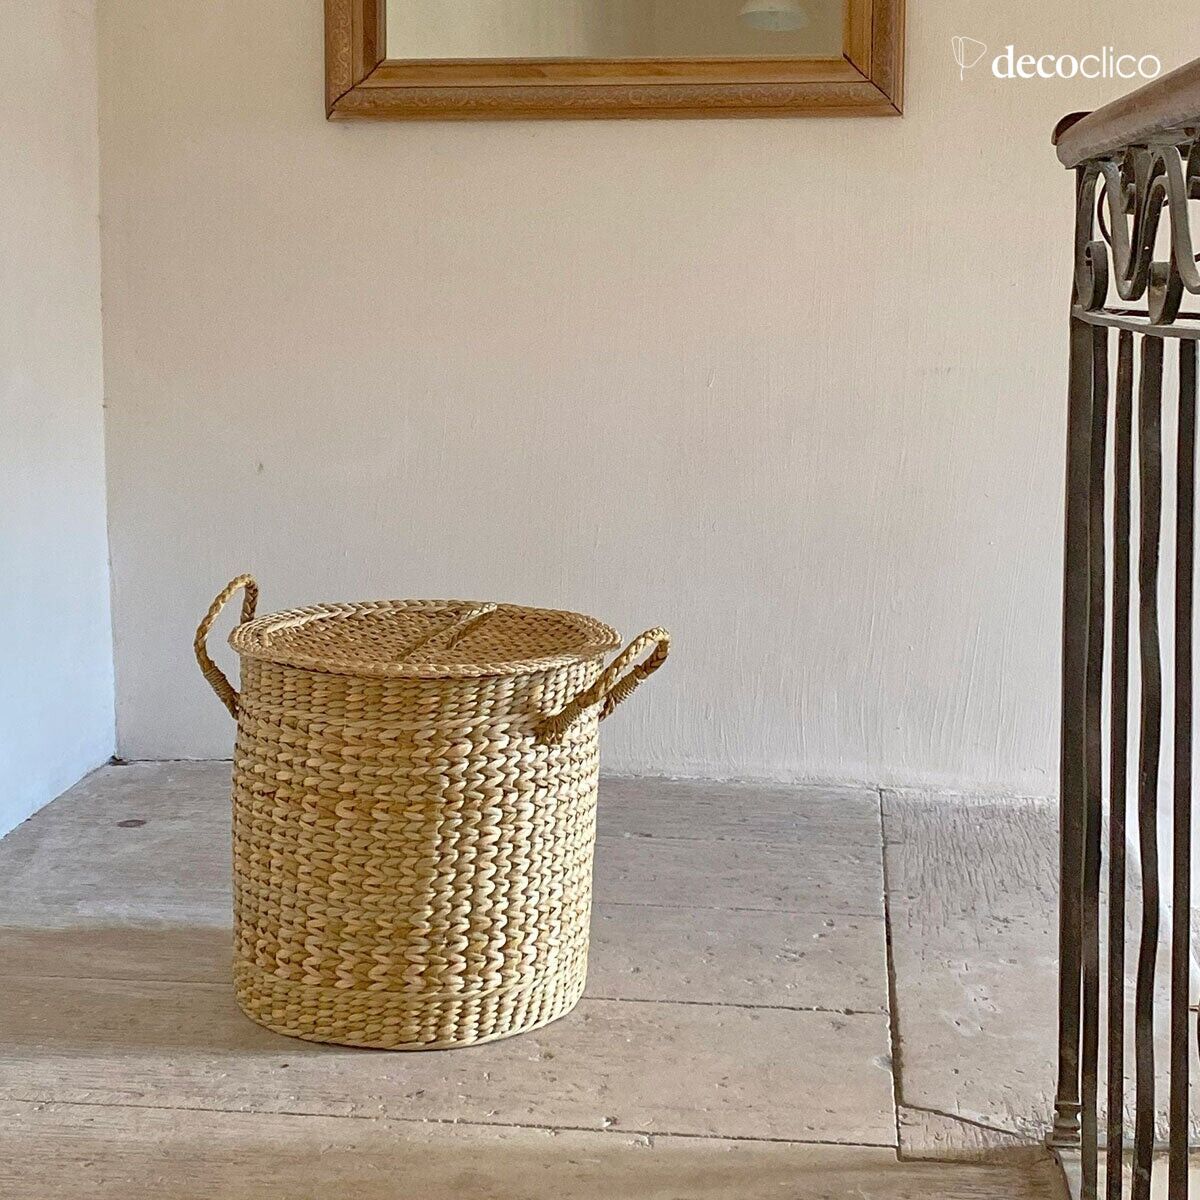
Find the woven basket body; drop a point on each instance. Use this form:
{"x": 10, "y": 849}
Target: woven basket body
{"x": 414, "y": 813}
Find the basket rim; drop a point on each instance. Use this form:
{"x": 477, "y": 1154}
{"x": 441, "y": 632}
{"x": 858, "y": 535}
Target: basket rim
{"x": 253, "y": 640}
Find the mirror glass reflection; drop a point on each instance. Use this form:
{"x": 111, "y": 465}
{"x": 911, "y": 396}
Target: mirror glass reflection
{"x": 485, "y": 29}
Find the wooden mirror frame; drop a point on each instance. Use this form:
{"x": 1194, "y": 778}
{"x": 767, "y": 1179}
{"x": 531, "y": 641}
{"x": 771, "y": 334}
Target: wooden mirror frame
{"x": 361, "y": 82}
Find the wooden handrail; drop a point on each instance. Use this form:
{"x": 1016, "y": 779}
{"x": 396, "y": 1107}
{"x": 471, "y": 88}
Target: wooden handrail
{"x": 1165, "y": 106}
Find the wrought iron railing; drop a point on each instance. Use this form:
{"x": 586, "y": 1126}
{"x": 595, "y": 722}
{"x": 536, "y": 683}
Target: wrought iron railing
{"x": 1127, "y": 719}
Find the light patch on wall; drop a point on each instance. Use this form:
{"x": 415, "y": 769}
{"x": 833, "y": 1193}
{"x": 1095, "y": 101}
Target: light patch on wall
{"x": 56, "y": 672}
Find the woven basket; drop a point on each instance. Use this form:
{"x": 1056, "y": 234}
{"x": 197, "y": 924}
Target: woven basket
{"x": 414, "y": 803}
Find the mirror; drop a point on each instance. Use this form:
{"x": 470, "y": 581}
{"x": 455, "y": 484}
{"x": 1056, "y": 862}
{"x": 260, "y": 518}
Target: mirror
{"x": 607, "y": 29}
{"x": 488, "y": 59}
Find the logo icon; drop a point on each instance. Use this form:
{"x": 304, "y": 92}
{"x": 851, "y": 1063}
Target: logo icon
{"x": 967, "y": 52}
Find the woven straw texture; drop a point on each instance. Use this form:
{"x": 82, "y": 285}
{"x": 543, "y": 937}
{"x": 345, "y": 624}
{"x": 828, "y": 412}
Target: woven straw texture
{"x": 414, "y": 810}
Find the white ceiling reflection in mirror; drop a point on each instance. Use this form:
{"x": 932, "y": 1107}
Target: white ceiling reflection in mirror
{"x": 490, "y": 29}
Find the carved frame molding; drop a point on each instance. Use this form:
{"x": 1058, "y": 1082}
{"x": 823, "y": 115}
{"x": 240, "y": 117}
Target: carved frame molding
{"x": 361, "y": 83}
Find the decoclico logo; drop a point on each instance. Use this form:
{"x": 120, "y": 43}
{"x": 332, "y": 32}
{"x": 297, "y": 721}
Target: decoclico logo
{"x": 1105, "y": 63}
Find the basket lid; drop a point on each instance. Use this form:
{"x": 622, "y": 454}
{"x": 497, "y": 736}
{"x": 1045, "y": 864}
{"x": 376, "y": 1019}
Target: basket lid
{"x": 424, "y": 639}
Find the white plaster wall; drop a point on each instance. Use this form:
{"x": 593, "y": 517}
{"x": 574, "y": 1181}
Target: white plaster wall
{"x": 56, "y": 690}
{"x": 792, "y": 388}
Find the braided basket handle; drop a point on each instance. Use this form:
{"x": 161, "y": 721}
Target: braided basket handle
{"x": 616, "y": 683}
{"x": 446, "y": 637}
{"x": 216, "y": 678}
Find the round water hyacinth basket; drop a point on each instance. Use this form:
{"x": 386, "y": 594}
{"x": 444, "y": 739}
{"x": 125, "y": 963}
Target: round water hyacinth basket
{"x": 414, "y": 813}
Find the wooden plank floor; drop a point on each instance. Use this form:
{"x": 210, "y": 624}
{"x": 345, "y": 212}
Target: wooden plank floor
{"x": 972, "y": 892}
{"x": 736, "y": 1038}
